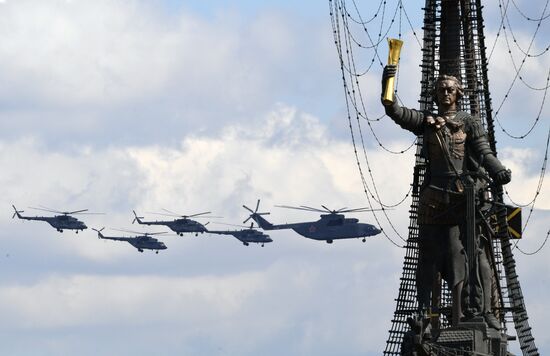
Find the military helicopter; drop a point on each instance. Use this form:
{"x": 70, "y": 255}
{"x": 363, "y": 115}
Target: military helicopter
{"x": 180, "y": 225}
{"x": 144, "y": 241}
{"x": 332, "y": 225}
{"x": 60, "y": 222}
{"x": 246, "y": 236}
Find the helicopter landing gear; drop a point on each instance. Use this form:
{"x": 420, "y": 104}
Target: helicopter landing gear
{"x": 364, "y": 239}
{"x": 196, "y": 234}
{"x": 77, "y": 231}
{"x": 262, "y": 245}
{"x": 140, "y": 250}
{"x": 329, "y": 241}
{"x": 181, "y": 234}
{"x": 60, "y": 230}
{"x": 245, "y": 243}
{"x": 157, "y": 252}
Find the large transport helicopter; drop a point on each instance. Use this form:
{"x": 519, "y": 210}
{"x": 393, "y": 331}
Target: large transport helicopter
{"x": 63, "y": 221}
{"x": 143, "y": 241}
{"x": 183, "y": 223}
{"x": 246, "y": 236}
{"x": 331, "y": 226}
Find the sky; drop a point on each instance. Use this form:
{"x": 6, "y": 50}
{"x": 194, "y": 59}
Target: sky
{"x": 196, "y": 106}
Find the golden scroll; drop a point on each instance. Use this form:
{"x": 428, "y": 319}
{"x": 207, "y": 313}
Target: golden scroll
{"x": 393, "y": 58}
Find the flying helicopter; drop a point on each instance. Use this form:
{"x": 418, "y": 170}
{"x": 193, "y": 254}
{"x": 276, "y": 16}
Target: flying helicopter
{"x": 246, "y": 236}
{"x": 332, "y": 225}
{"x": 143, "y": 241}
{"x": 63, "y": 221}
{"x": 181, "y": 225}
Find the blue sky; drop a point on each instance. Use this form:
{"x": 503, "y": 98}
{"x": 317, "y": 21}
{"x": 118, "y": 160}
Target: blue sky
{"x": 205, "y": 106}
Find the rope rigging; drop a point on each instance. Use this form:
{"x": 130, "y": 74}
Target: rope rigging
{"x": 517, "y": 75}
{"x": 339, "y": 21}
{"x": 516, "y": 42}
{"x": 540, "y": 182}
{"x": 528, "y": 18}
{"x": 537, "y": 250}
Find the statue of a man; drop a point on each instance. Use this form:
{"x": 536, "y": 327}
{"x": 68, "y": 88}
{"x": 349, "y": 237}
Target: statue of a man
{"x": 450, "y": 139}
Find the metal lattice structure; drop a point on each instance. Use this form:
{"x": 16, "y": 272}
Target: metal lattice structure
{"x": 454, "y": 43}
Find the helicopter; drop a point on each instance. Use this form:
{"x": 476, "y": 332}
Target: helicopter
{"x": 179, "y": 226}
{"x": 60, "y": 222}
{"x": 332, "y": 225}
{"x": 246, "y": 236}
{"x": 144, "y": 241}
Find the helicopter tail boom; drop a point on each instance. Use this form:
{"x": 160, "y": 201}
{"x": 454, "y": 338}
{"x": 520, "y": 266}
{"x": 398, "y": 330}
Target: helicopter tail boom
{"x": 262, "y": 222}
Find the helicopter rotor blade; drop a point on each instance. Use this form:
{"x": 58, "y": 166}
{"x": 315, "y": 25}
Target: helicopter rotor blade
{"x": 155, "y": 233}
{"x": 139, "y": 232}
{"x": 327, "y": 209}
{"x": 247, "y": 208}
{"x": 359, "y": 210}
{"x": 48, "y": 210}
{"x": 304, "y": 208}
{"x": 45, "y": 208}
{"x": 171, "y": 212}
{"x": 164, "y": 214}
{"x": 75, "y": 212}
{"x": 248, "y": 218}
{"x": 192, "y": 216}
{"x": 312, "y": 208}
{"x": 257, "y": 205}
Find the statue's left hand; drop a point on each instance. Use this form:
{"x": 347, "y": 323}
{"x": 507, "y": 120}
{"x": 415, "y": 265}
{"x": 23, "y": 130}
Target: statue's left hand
{"x": 503, "y": 177}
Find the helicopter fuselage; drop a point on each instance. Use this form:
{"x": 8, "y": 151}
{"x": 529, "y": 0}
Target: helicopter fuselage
{"x": 179, "y": 226}
{"x": 246, "y": 236}
{"x": 144, "y": 242}
{"x": 329, "y": 227}
{"x": 59, "y": 222}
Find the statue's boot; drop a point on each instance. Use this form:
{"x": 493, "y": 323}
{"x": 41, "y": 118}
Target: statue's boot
{"x": 492, "y": 321}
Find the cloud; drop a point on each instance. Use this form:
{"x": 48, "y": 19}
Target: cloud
{"x": 129, "y": 73}
{"x": 243, "y": 313}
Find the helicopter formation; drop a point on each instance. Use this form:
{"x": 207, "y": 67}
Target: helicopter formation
{"x": 332, "y": 225}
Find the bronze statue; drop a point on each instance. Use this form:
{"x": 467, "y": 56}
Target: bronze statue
{"x": 451, "y": 140}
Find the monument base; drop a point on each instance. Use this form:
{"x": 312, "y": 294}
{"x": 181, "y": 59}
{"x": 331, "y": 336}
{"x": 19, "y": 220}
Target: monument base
{"x": 473, "y": 337}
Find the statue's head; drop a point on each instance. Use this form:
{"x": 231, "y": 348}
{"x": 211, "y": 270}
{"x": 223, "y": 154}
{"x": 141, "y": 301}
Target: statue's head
{"x": 448, "y": 90}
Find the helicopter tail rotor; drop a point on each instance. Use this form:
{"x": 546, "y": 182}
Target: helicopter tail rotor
{"x": 255, "y": 215}
{"x": 99, "y": 234}
{"x": 136, "y": 218}
{"x": 16, "y": 213}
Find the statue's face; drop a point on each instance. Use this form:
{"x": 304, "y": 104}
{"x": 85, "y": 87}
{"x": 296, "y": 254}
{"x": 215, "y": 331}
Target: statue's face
{"x": 447, "y": 93}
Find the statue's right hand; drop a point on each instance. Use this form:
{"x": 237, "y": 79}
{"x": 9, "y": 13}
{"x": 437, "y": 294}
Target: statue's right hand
{"x": 389, "y": 71}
